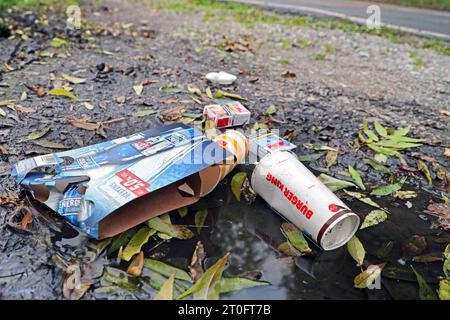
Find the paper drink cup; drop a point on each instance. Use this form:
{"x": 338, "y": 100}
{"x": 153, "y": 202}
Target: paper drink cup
{"x": 296, "y": 194}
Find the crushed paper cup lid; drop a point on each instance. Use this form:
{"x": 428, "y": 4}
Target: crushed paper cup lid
{"x": 221, "y": 77}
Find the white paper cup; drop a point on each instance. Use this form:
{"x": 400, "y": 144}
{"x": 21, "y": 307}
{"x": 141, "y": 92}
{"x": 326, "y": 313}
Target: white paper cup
{"x": 295, "y": 193}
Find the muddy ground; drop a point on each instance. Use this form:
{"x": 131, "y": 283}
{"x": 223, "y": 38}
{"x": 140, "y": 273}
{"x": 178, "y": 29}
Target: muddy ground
{"x": 123, "y": 44}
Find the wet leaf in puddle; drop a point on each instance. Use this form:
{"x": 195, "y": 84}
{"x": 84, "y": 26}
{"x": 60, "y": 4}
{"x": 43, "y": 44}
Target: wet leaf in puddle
{"x": 236, "y": 184}
{"x": 37, "y": 134}
{"x": 166, "y": 291}
{"x": 373, "y": 218}
{"x": 208, "y": 286}
{"x": 369, "y": 276}
{"x": 362, "y": 198}
{"x": 200, "y": 218}
{"x": 426, "y": 259}
{"x": 196, "y": 267}
{"x": 444, "y": 289}
{"x": 414, "y": 246}
{"x": 121, "y": 279}
{"x": 356, "y": 177}
{"x": 425, "y": 292}
{"x": 424, "y": 169}
{"x": 166, "y": 269}
{"x": 137, "y": 241}
{"x": 387, "y": 190}
{"x": 295, "y": 237}
{"x": 143, "y": 113}
{"x": 183, "y": 211}
{"x": 356, "y": 250}
{"x": 334, "y": 184}
{"x": 172, "y": 230}
{"x": 235, "y": 284}
{"x": 121, "y": 240}
{"x": 310, "y": 157}
{"x": 376, "y": 165}
{"x": 72, "y": 79}
{"x": 62, "y": 92}
{"x": 385, "y": 249}
{"x": 136, "y": 265}
{"x": 446, "y": 266}
{"x": 288, "y": 249}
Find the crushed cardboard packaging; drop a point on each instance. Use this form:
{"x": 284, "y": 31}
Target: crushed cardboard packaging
{"x": 109, "y": 187}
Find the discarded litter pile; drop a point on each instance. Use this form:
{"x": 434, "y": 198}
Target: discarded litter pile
{"x": 110, "y": 187}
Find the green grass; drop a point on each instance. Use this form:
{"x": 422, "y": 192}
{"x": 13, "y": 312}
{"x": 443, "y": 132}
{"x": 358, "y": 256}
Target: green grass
{"x": 430, "y": 4}
{"x": 249, "y": 15}
{"x": 36, "y": 4}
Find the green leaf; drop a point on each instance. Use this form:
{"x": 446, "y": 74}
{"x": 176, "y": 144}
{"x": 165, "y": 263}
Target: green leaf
{"x": 380, "y": 157}
{"x": 143, "y": 113}
{"x": 208, "y": 286}
{"x": 235, "y": 284}
{"x": 355, "y": 175}
{"x": 58, "y": 42}
{"x": 318, "y": 147}
{"x": 372, "y": 136}
{"x": 166, "y": 291}
{"x": 37, "y": 134}
{"x": 364, "y": 199}
{"x": 405, "y": 139}
{"x": 271, "y": 110}
{"x": 385, "y": 151}
{"x": 236, "y": 184}
{"x": 425, "y": 292}
{"x": 288, "y": 249}
{"x": 424, "y": 169}
{"x": 376, "y": 165}
{"x": 380, "y": 129}
{"x": 390, "y": 188}
{"x": 183, "y": 211}
{"x": 171, "y": 88}
{"x": 137, "y": 241}
{"x": 334, "y": 184}
{"x": 62, "y": 92}
{"x": 219, "y": 93}
{"x": 121, "y": 240}
{"x": 444, "y": 289}
{"x": 72, "y": 79}
{"x": 373, "y": 218}
{"x": 356, "y": 250}
{"x": 368, "y": 277}
{"x": 121, "y": 278}
{"x": 194, "y": 90}
{"x": 172, "y": 230}
{"x": 402, "y": 132}
{"x": 395, "y": 144}
{"x": 295, "y": 237}
{"x": 310, "y": 157}
{"x": 446, "y": 266}
{"x": 200, "y": 218}
{"x": 166, "y": 269}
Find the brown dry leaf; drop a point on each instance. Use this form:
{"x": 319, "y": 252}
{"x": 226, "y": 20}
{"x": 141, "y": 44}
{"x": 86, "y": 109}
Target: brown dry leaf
{"x": 48, "y": 144}
{"x": 442, "y": 212}
{"x": 445, "y": 112}
{"x": 38, "y": 90}
{"x": 288, "y": 74}
{"x": 27, "y": 218}
{"x": 4, "y": 103}
{"x": 446, "y": 153}
{"x": 253, "y": 79}
{"x": 173, "y": 114}
{"x": 84, "y": 124}
{"x": 170, "y": 100}
{"x": 19, "y": 108}
{"x": 196, "y": 267}
{"x": 148, "y": 82}
{"x": 10, "y": 198}
{"x": 3, "y": 150}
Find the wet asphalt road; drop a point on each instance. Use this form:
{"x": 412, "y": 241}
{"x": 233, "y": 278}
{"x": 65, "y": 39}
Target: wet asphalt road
{"x": 419, "y": 21}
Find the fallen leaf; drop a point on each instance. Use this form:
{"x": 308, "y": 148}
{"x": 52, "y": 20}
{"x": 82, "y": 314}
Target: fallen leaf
{"x": 369, "y": 276}
{"x": 208, "y": 286}
{"x": 200, "y": 218}
{"x": 62, "y": 92}
{"x": 143, "y": 113}
{"x": 446, "y": 153}
{"x": 426, "y": 259}
{"x": 172, "y": 230}
{"x": 37, "y": 134}
{"x": 135, "y": 267}
{"x": 49, "y": 144}
{"x": 58, "y": 42}
{"x": 196, "y": 267}
{"x": 387, "y": 190}
{"x": 310, "y": 157}
{"x": 356, "y": 177}
{"x": 407, "y": 194}
{"x": 362, "y": 198}
{"x": 373, "y": 218}
{"x": 271, "y": 110}
{"x": 138, "y": 89}
{"x": 288, "y": 74}
{"x": 136, "y": 242}
{"x": 376, "y": 165}
{"x": 413, "y": 246}
{"x": 236, "y": 184}
{"x": 356, "y": 250}
{"x": 444, "y": 289}
{"x": 445, "y": 112}
{"x": 330, "y": 158}
{"x": 194, "y": 90}
{"x": 88, "y": 106}
{"x": 166, "y": 291}
{"x": 120, "y": 240}
{"x": 121, "y": 99}
{"x": 38, "y": 90}
{"x": 425, "y": 292}
{"x": 72, "y": 79}
{"x": 27, "y": 218}
{"x": 424, "y": 169}
{"x": 289, "y": 250}
{"x": 83, "y": 124}
{"x": 295, "y": 237}
{"x": 209, "y": 93}
{"x": 235, "y": 284}
{"x": 334, "y": 184}
{"x": 166, "y": 269}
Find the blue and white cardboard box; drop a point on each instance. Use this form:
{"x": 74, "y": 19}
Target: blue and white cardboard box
{"x": 109, "y": 187}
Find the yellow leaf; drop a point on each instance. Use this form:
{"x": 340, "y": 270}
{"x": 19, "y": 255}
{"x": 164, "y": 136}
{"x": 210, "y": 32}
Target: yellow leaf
{"x": 138, "y": 89}
{"x": 73, "y": 79}
{"x": 166, "y": 291}
{"x": 62, "y": 92}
